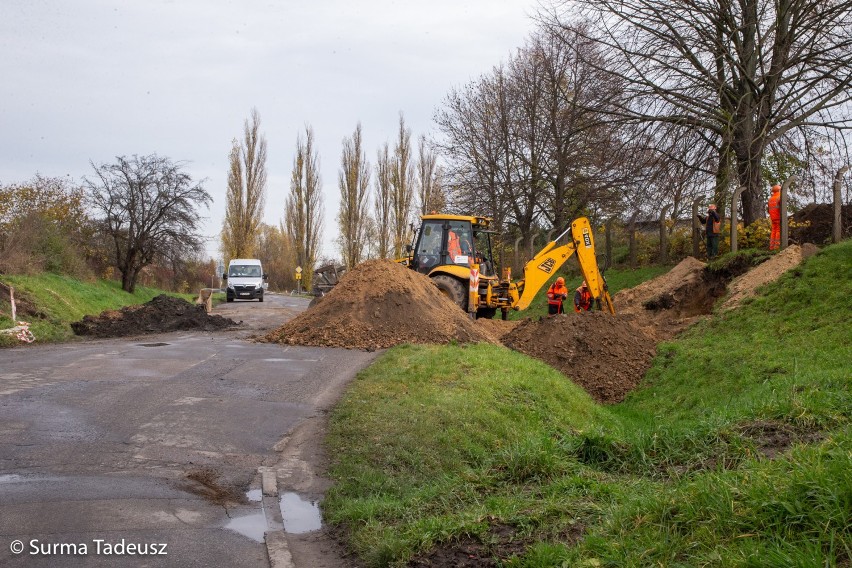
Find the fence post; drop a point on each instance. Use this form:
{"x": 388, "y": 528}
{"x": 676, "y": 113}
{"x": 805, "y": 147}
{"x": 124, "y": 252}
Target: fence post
{"x": 696, "y": 227}
{"x": 609, "y": 240}
{"x": 785, "y": 222}
{"x": 632, "y": 238}
{"x": 837, "y": 229}
{"x": 733, "y": 217}
{"x": 664, "y": 244}
{"x": 517, "y": 262}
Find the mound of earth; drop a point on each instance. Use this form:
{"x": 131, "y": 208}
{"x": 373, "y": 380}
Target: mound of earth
{"x": 161, "y": 314}
{"x": 378, "y": 304}
{"x": 746, "y": 285}
{"x": 820, "y": 221}
{"x": 607, "y": 355}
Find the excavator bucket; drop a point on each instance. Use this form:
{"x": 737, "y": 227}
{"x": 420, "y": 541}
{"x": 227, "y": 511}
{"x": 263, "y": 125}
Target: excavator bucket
{"x": 584, "y": 243}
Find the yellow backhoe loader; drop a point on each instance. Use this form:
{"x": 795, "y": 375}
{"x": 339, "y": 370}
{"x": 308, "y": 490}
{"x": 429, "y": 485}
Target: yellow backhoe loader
{"x": 455, "y": 251}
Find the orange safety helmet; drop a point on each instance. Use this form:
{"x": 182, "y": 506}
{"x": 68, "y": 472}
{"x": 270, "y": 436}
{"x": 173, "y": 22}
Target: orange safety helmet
{"x": 584, "y": 285}
{"x": 560, "y": 281}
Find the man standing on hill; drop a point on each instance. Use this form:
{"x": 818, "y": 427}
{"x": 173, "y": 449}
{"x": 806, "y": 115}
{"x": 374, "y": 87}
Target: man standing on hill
{"x": 582, "y": 298}
{"x": 556, "y": 294}
{"x": 775, "y": 217}
{"x": 713, "y": 227}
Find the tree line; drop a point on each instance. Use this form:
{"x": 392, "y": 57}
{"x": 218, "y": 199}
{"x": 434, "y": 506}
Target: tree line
{"x": 619, "y": 109}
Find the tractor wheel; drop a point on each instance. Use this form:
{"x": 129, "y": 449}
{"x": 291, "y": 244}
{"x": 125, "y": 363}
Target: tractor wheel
{"x": 452, "y": 289}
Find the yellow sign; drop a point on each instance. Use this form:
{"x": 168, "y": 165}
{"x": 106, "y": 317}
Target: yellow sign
{"x": 298, "y": 276}
{"x": 298, "y": 270}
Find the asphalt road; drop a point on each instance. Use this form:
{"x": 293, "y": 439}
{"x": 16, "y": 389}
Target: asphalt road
{"x": 154, "y": 440}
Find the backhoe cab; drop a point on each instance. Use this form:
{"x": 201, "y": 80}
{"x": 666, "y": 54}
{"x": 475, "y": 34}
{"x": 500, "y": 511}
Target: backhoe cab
{"x": 455, "y": 251}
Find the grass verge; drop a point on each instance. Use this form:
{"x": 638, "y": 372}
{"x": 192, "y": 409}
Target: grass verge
{"x": 61, "y": 300}
{"x": 737, "y": 451}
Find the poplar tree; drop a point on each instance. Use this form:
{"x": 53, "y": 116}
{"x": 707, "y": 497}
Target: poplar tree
{"x": 246, "y": 192}
{"x": 402, "y": 188}
{"x": 303, "y": 211}
{"x": 354, "y": 183}
{"x": 382, "y": 207}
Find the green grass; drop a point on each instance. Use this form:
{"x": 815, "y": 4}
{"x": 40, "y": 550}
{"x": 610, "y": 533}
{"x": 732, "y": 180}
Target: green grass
{"x": 63, "y": 300}
{"x": 437, "y": 446}
{"x": 616, "y": 279}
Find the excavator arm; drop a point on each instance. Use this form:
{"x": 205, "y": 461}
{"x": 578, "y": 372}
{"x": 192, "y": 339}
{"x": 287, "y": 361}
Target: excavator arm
{"x": 538, "y": 270}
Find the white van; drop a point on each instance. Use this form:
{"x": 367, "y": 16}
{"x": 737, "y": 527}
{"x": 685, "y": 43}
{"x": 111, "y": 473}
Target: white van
{"x": 245, "y": 280}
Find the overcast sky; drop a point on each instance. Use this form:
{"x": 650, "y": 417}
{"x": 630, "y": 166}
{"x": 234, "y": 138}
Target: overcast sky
{"x": 89, "y": 80}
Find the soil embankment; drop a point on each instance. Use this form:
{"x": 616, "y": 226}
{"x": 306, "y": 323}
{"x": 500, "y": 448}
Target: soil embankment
{"x": 606, "y": 355}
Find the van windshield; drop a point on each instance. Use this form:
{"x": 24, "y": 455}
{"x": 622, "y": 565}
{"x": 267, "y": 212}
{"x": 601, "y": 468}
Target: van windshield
{"x": 239, "y": 270}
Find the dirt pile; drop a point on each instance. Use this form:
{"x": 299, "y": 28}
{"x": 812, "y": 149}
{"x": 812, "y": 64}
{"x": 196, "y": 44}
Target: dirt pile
{"x": 607, "y": 355}
{"x": 746, "y": 285}
{"x": 820, "y": 221}
{"x": 162, "y": 314}
{"x": 376, "y": 305}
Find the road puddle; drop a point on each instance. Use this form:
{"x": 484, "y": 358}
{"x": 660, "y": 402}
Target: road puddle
{"x": 254, "y": 495}
{"x": 300, "y": 516}
{"x": 252, "y": 526}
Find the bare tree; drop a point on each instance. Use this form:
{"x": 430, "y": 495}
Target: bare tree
{"x": 303, "y": 212}
{"x": 743, "y": 73}
{"x": 246, "y": 192}
{"x": 428, "y": 179}
{"x": 402, "y": 188}
{"x": 148, "y": 205}
{"x": 383, "y": 210}
{"x": 354, "y": 183}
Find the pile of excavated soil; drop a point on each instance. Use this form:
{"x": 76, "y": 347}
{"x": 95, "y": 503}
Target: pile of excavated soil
{"x": 820, "y": 222}
{"x": 379, "y": 304}
{"x": 746, "y": 285}
{"x": 606, "y": 355}
{"x": 160, "y": 315}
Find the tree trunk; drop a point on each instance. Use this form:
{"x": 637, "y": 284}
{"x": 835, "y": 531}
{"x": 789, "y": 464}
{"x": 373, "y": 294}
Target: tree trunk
{"x": 128, "y": 280}
{"x": 748, "y": 171}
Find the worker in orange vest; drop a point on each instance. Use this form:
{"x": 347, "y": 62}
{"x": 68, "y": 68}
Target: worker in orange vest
{"x": 582, "y": 298}
{"x": 775, "y": 217}
{"x": 556, "y": 294}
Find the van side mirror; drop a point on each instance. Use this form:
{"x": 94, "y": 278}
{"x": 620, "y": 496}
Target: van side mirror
{"x": 266, "y": 276}
{"x": 225, "y": 276}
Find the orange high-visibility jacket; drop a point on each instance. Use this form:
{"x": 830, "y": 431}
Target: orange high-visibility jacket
{"x": 582, "y": 299}
{"x": 556, "y": 294}
{"x": 775, "y": 206}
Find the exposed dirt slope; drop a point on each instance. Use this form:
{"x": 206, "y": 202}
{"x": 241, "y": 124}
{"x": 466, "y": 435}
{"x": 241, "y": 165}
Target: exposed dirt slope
{"x": 746, "y": 285}
{"x": 607, "y": 355}
{"x": 376, "y": 305}
{"x": 666, "y": 305}
{"x": 162, "y": 314}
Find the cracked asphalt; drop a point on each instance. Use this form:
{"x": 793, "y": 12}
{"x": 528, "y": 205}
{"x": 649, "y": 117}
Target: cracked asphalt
{"x": 98, "y": 438}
